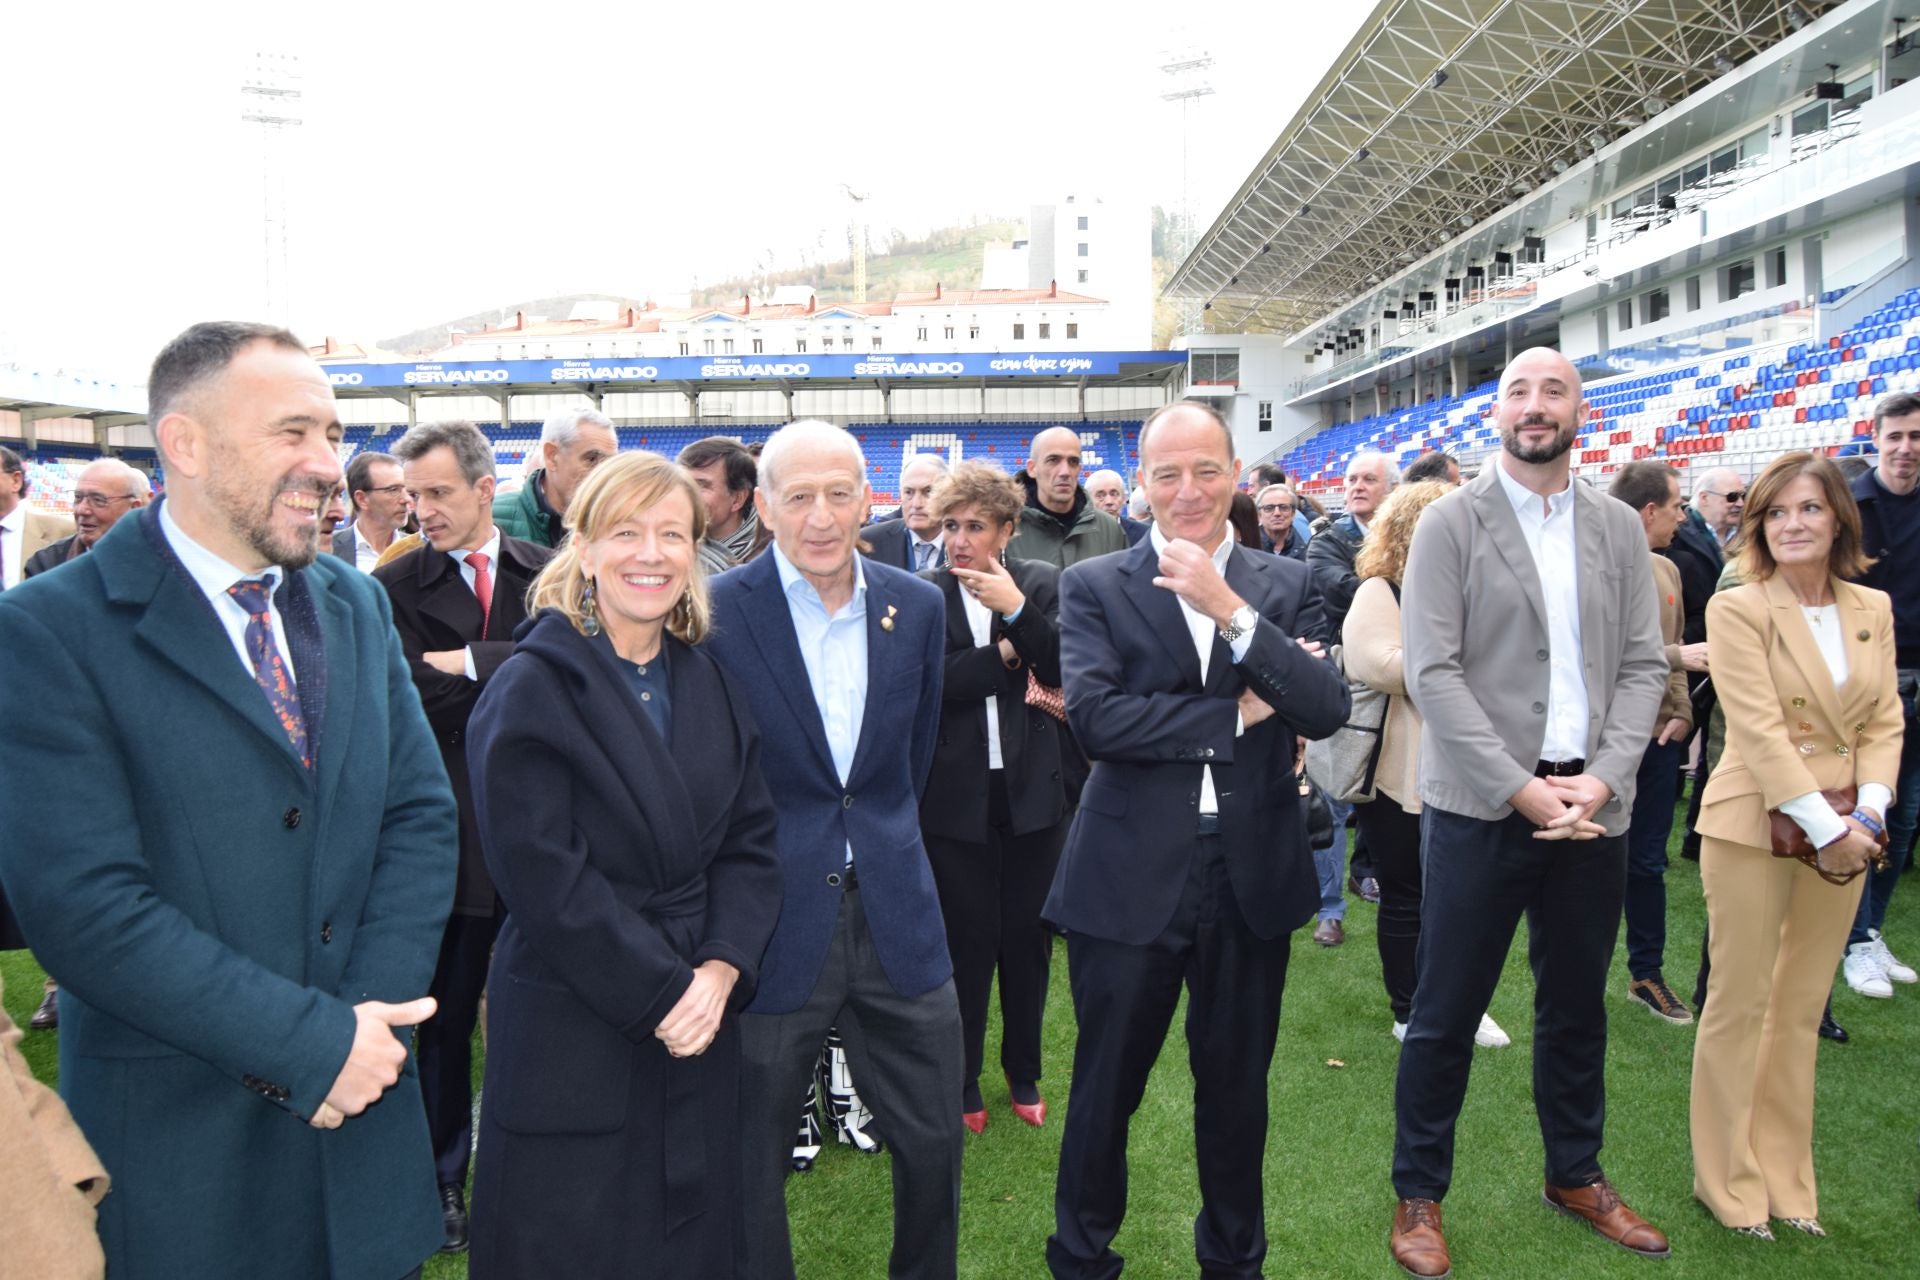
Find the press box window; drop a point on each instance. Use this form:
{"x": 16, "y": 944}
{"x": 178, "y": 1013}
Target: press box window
{"x": 1656, "y": 306}
{"x": 1739, "y": 279}
{"x": 1776, "y": 268}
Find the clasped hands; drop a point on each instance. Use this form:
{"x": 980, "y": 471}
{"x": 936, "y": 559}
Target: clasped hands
{"x": 373, "y": 1064}
{"x": 1563, "y": 808}
{"x": 694, "y": 1020}
{"x": 1850, "y": 854}
{"x": 1190, "y": 573}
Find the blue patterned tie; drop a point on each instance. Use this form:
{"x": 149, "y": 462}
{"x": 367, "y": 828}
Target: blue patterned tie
{"x": 923, "y": 553}
{"x": 269, "y": 669}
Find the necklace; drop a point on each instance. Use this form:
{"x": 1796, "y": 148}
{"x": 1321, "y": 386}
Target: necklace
{"x": 1816, "y": 613}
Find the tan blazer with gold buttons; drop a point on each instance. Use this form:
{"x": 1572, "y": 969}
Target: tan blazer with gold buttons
{"x": 1789, "y": 731}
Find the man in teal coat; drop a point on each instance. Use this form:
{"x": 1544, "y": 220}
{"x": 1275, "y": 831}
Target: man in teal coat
{"x": 243, "y": 846}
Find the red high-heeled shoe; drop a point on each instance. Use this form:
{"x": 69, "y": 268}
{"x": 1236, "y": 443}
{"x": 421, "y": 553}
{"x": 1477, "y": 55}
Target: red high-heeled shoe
{"x": 976, "y": 1121}
{"x": 1034, "y": 1113}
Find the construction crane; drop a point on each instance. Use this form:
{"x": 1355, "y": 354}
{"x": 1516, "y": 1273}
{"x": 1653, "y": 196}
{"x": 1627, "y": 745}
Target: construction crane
{"x": 857, "y": 241}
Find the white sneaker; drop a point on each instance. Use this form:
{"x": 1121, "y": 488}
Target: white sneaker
{"x": 1490, "y": 1034}
{"x": 1888, "y": 962}
{"x": 1400, "y": 1032}
{"x": 1863, "y": 974}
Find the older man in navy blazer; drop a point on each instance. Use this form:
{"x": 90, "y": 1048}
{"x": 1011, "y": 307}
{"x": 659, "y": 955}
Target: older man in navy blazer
{"x": 841, "y": 658}
{"x": 1190, "y": 675}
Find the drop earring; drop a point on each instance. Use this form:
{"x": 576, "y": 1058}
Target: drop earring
{"x": 590, "y": 621}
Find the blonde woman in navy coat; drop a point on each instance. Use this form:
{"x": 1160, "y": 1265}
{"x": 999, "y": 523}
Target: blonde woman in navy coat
{"x": 625, "y": 824}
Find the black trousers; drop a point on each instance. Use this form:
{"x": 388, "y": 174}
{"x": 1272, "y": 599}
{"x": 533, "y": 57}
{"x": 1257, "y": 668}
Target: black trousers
{"x": 905, "y": 1056}
{"x": 1481, "y": 877}
{"x": 1123, "y": 998}
{"x": 445, "y": 1040}
{"x": 1394, "y": 836}
{"x": 990, "y": 899}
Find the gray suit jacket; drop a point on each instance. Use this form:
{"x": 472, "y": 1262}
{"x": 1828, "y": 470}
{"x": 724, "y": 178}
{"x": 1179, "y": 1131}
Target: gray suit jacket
{"x": 1476, "y": 655}
{"x": 343, "y": 543}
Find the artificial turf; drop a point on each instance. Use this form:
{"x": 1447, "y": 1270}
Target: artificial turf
{"x": 1329, "y": 1202}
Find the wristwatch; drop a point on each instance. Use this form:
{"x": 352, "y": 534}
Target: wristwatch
{"x": 1239, "y": 622}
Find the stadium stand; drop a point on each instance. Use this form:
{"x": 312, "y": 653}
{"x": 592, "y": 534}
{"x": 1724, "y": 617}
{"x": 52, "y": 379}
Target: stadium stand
{"x": 1740, "y": 407}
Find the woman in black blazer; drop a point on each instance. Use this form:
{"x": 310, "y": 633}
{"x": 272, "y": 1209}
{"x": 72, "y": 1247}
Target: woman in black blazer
{"x": 995, "y": 810}
{"x": 616, "y": 777}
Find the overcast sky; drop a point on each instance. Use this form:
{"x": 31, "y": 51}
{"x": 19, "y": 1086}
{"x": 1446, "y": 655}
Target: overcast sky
{"x": 449, "y": 164}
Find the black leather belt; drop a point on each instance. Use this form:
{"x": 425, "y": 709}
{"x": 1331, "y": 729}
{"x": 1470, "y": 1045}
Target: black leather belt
{"x": 1559, "y": 768}
{"x": 1209, "y": 824}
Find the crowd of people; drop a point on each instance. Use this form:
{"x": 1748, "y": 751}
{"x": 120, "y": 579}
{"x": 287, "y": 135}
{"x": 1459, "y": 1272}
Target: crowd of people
{"x": 706, "y": 800}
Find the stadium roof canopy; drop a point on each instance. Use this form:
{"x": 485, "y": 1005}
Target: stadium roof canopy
{"x": 1438, "y": 114}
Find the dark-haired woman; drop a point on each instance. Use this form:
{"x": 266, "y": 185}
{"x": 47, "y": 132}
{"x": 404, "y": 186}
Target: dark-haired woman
{"x": 1804, "y": 664}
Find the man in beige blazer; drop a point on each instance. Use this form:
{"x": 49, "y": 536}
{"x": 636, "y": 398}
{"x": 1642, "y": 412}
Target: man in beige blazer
{"x": 50, "y": 1180}
{"x": 1533, "y": 653}
{"x": 23, "y": 529}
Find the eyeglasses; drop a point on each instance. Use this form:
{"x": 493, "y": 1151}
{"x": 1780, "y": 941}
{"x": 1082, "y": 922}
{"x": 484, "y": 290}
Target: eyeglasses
{"x": 1738, "y": 495}
{"x": 87, "y": 498}
{"x": 391, "y": 490}
{"x": 1273, "y": 508}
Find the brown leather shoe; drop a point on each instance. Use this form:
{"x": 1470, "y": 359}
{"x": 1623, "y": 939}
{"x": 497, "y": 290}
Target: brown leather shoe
{"x": 1416, "y": 1243}
{"x": 1608, "y": 1214}
{"x": 1331, "y": 933}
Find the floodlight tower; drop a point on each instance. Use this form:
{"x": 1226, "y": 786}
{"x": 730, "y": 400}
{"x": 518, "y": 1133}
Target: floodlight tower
{"x": 857, "y": 241}
{"x": 1187, "y": 67}
{"x": 270, "y": 102}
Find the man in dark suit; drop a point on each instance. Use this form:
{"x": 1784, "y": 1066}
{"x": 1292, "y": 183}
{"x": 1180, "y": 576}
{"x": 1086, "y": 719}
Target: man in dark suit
{"x": 456, "y": 602}
{"x": 840, "y": 657}
{"x": 911, "y": 540}
{"x": 236, "y": 884}
{"x": 1188, "y": 682}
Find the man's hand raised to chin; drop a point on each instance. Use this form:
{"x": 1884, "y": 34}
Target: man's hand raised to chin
{"x": 1189, "y": 573}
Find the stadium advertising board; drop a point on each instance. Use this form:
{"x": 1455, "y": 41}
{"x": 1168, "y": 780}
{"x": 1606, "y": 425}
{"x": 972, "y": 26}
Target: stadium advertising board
{"x": 480, "y": 375}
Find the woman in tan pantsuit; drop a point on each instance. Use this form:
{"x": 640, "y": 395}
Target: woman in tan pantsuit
{"x": 1804, "y": 665}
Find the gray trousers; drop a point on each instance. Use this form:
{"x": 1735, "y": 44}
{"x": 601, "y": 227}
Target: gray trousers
{"x": 906, "y": 1055}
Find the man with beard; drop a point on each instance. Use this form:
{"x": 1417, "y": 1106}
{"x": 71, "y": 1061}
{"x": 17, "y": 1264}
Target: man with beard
{"x": 241, "y": 887}
{"x": 1533, "y": 651}
{"x": 1060, "y": 523}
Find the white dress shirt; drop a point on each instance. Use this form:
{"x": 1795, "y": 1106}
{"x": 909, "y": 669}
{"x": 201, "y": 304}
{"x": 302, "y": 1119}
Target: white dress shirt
{"x": 1203, "y": 629}
{"x": 492, "y": 552}
{"x": 13, "y": 528}
{"x": 1811, "y": 811}
{"x": 980, "y": 619}
{"x": 365, "y": 555}
{"x": 1549, "y": 529}
{"x": 213, "y": 576}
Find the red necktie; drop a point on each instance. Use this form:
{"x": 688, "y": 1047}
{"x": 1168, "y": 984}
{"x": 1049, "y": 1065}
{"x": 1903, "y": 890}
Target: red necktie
{"x": 482, "y": 587}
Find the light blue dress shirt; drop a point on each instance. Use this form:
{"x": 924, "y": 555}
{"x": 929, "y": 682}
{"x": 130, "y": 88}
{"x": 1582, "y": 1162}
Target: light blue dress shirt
{"x": 835, "y": 651}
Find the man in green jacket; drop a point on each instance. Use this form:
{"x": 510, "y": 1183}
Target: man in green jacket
{"x": 1060, "y": 525}
{"x": 572, "y": 443}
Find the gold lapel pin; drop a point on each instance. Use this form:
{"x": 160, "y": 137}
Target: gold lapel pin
{"x": 1863, "y": 636}
{"x": 886, "y": 623}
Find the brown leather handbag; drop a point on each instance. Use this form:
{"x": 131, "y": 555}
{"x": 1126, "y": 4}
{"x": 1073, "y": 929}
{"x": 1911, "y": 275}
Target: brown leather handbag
{"x": 1789, "y": 841}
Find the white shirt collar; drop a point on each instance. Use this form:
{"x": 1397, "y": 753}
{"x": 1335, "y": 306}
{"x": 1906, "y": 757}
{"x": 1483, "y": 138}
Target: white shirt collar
{"x": 916, "y": 539}
{"x": 791, "y": 577}
{"x": 15, "y": 519}
{"x": 1521, "y": 496}
{"x": 1221, "y": 553}
{"x": 491, "y": 551}
{"x": 209, "y": 571}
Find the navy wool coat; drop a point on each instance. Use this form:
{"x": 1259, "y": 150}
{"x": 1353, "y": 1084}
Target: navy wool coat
{"x": 624, "y": 860}
{"x": 213, "y": 910}
{"x": 877, "y": 809}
